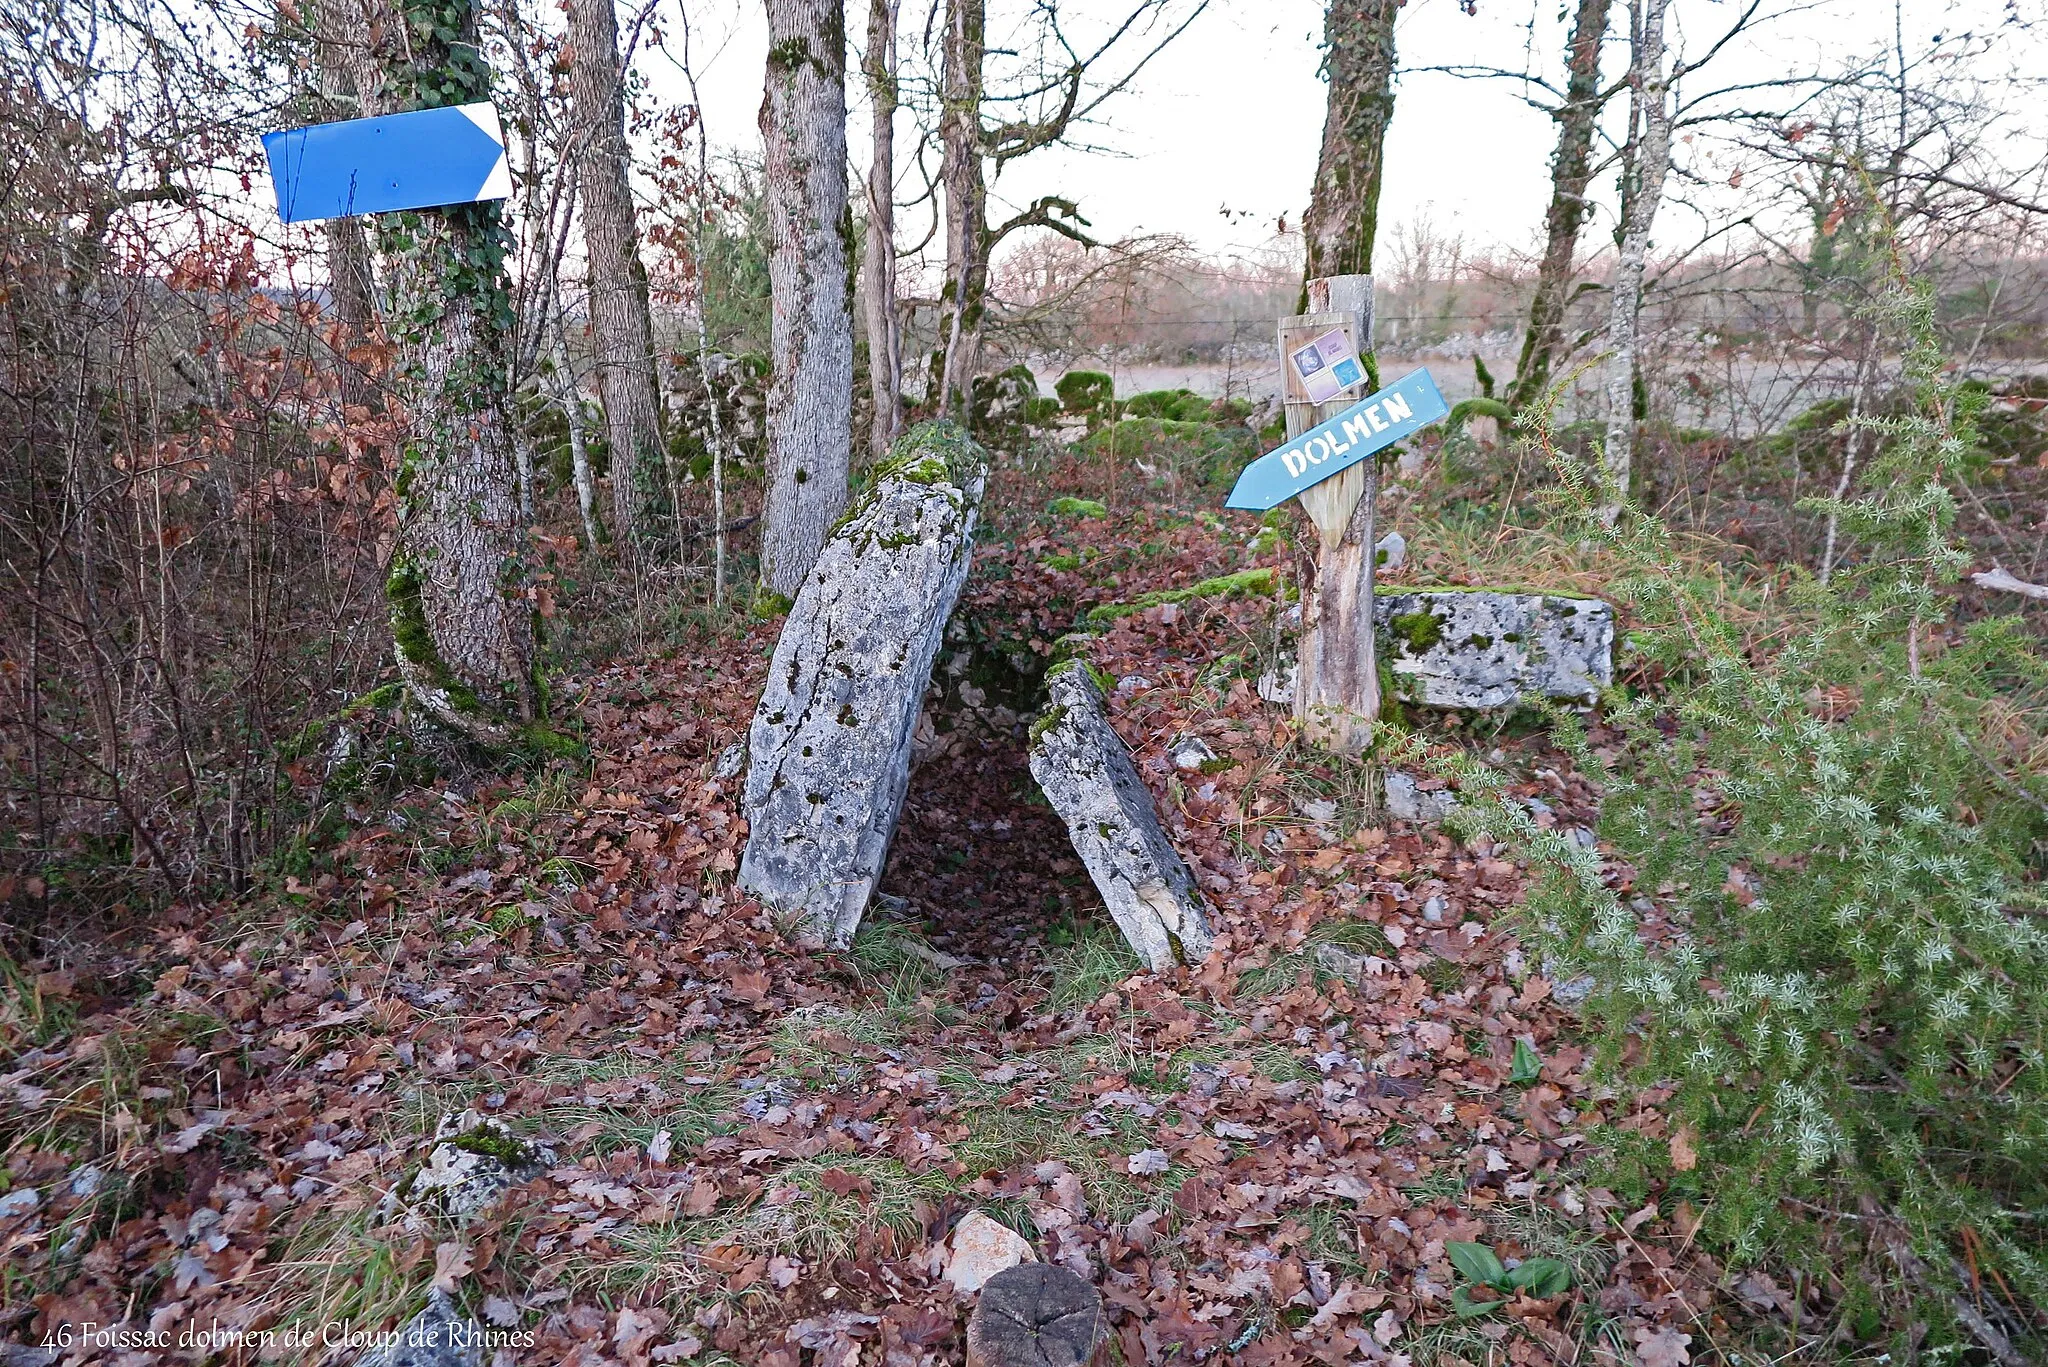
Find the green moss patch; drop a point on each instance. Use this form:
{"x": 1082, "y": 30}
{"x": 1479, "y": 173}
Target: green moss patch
{"x": 1416, "y": 632}
{"x": 1085, "y": 391}
{"x": 1244, "y": 583}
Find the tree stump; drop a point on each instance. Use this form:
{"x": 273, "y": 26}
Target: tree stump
{"x": 1035, "y": 1315}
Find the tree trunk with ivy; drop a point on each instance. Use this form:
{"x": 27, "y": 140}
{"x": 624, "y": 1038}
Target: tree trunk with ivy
{"x": 1343, "y": 212}
{"x": 810, "y": 223}
{"x": 878, "y": 261}
{"x": 963, "y": 298}
{"x": 620, "y": 322}
{"x": 1571, "y": 171}
{"x": 459, "y": 591}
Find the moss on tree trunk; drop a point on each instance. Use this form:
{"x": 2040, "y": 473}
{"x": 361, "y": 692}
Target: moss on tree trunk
{"x": 1343, "y": 214}
{"x": 461, "y": 609}
{"x": 1571, "y": 171}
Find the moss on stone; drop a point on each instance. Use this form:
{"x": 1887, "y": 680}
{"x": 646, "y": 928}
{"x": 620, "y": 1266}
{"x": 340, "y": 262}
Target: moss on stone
{"x": 1046, "y": 721}
{"x": 495, "y": 1143}
{"x": 1085, "y": 391}
{"x": 930, "y": 453}
{"x": 1390, "y": 697}
{"x": 1250, "y": 582}
{"x": 1078, "y": 507}
{"x": 1417, "y": 631}
{"x": 1175, "y": 405}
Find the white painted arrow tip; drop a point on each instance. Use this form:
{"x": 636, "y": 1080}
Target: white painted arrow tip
{"x": 498, "y": 184}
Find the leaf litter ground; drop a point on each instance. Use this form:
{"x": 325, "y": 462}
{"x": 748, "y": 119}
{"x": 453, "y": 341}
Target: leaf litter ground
{"x": 755, "y": 1153}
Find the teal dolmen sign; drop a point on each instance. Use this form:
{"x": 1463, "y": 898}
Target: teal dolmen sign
{"x": 453, "y": 154}
{"x": 1406, "y": 406}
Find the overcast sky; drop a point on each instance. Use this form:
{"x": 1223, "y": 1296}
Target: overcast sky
{"x": 1229, "y": 116}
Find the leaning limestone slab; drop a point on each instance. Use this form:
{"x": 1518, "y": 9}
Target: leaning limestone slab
{"x": 829, "y": 751}
{"x": 1087, "y": 775}
{"x": 1473, "y": 649}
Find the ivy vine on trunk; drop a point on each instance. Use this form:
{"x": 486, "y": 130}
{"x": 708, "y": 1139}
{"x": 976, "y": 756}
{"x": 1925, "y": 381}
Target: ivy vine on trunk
{"x": 459, "y": 590}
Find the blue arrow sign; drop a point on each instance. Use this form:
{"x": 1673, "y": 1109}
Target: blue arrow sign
{"x": 451, "y": 155}
{"x": 1408, "y": 405}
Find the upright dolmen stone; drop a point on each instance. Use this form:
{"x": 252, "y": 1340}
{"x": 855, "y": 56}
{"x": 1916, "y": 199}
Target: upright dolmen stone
{"x": 1086, "y": 773}
{"x": 829, "y": 750}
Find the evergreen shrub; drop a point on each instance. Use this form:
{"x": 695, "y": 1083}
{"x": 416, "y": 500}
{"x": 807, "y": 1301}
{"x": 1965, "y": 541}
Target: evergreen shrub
{"x": 1823, "y": 941}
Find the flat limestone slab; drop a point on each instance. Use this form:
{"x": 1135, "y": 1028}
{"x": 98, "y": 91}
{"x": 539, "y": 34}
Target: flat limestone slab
{"x": 1474, "y": 649}
{"x": 829, "y": 750}
{"x": 1087, "y": 775}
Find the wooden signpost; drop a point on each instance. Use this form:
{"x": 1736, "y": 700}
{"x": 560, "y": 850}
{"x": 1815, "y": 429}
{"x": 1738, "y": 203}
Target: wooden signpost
{"x": 1327, "y": 464}
{"x": 1337, "y": 692}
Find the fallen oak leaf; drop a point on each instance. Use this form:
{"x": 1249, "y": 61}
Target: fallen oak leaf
{"x": 1662, "y": 1347}
{"x": 451, "y": 1264}
{"x": 1684, "y": 1157}
{"x": 1348, "y": 1299}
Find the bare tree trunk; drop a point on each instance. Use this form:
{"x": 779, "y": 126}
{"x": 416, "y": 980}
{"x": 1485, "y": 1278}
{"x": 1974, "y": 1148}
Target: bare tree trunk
{"x": 963, "y": 298}
{"x": 810, "y": 394}
{"x": 621, "y": 325}
{"x": 351, "y": 283}
{"x": 460, "y": 609}
{"x": 351, "y": 289}
{"x": 1642, "y": 189}
{"x": 1571, "y": 171}
{"x": 1343, "y": 212}
{"x": 878, "y": 266}
{"x": 568, "y": 394}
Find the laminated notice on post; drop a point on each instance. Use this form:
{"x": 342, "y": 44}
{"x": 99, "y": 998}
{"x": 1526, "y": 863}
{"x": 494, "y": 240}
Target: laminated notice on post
{"x": 1327, "y": 366}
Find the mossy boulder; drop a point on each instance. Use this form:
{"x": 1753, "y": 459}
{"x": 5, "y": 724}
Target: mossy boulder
{"x": 1005, "y": 407}
{"x": 475, "y": 1159}
{"x": 1175, "y": 405}
{"x": 1085, "y": 393}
